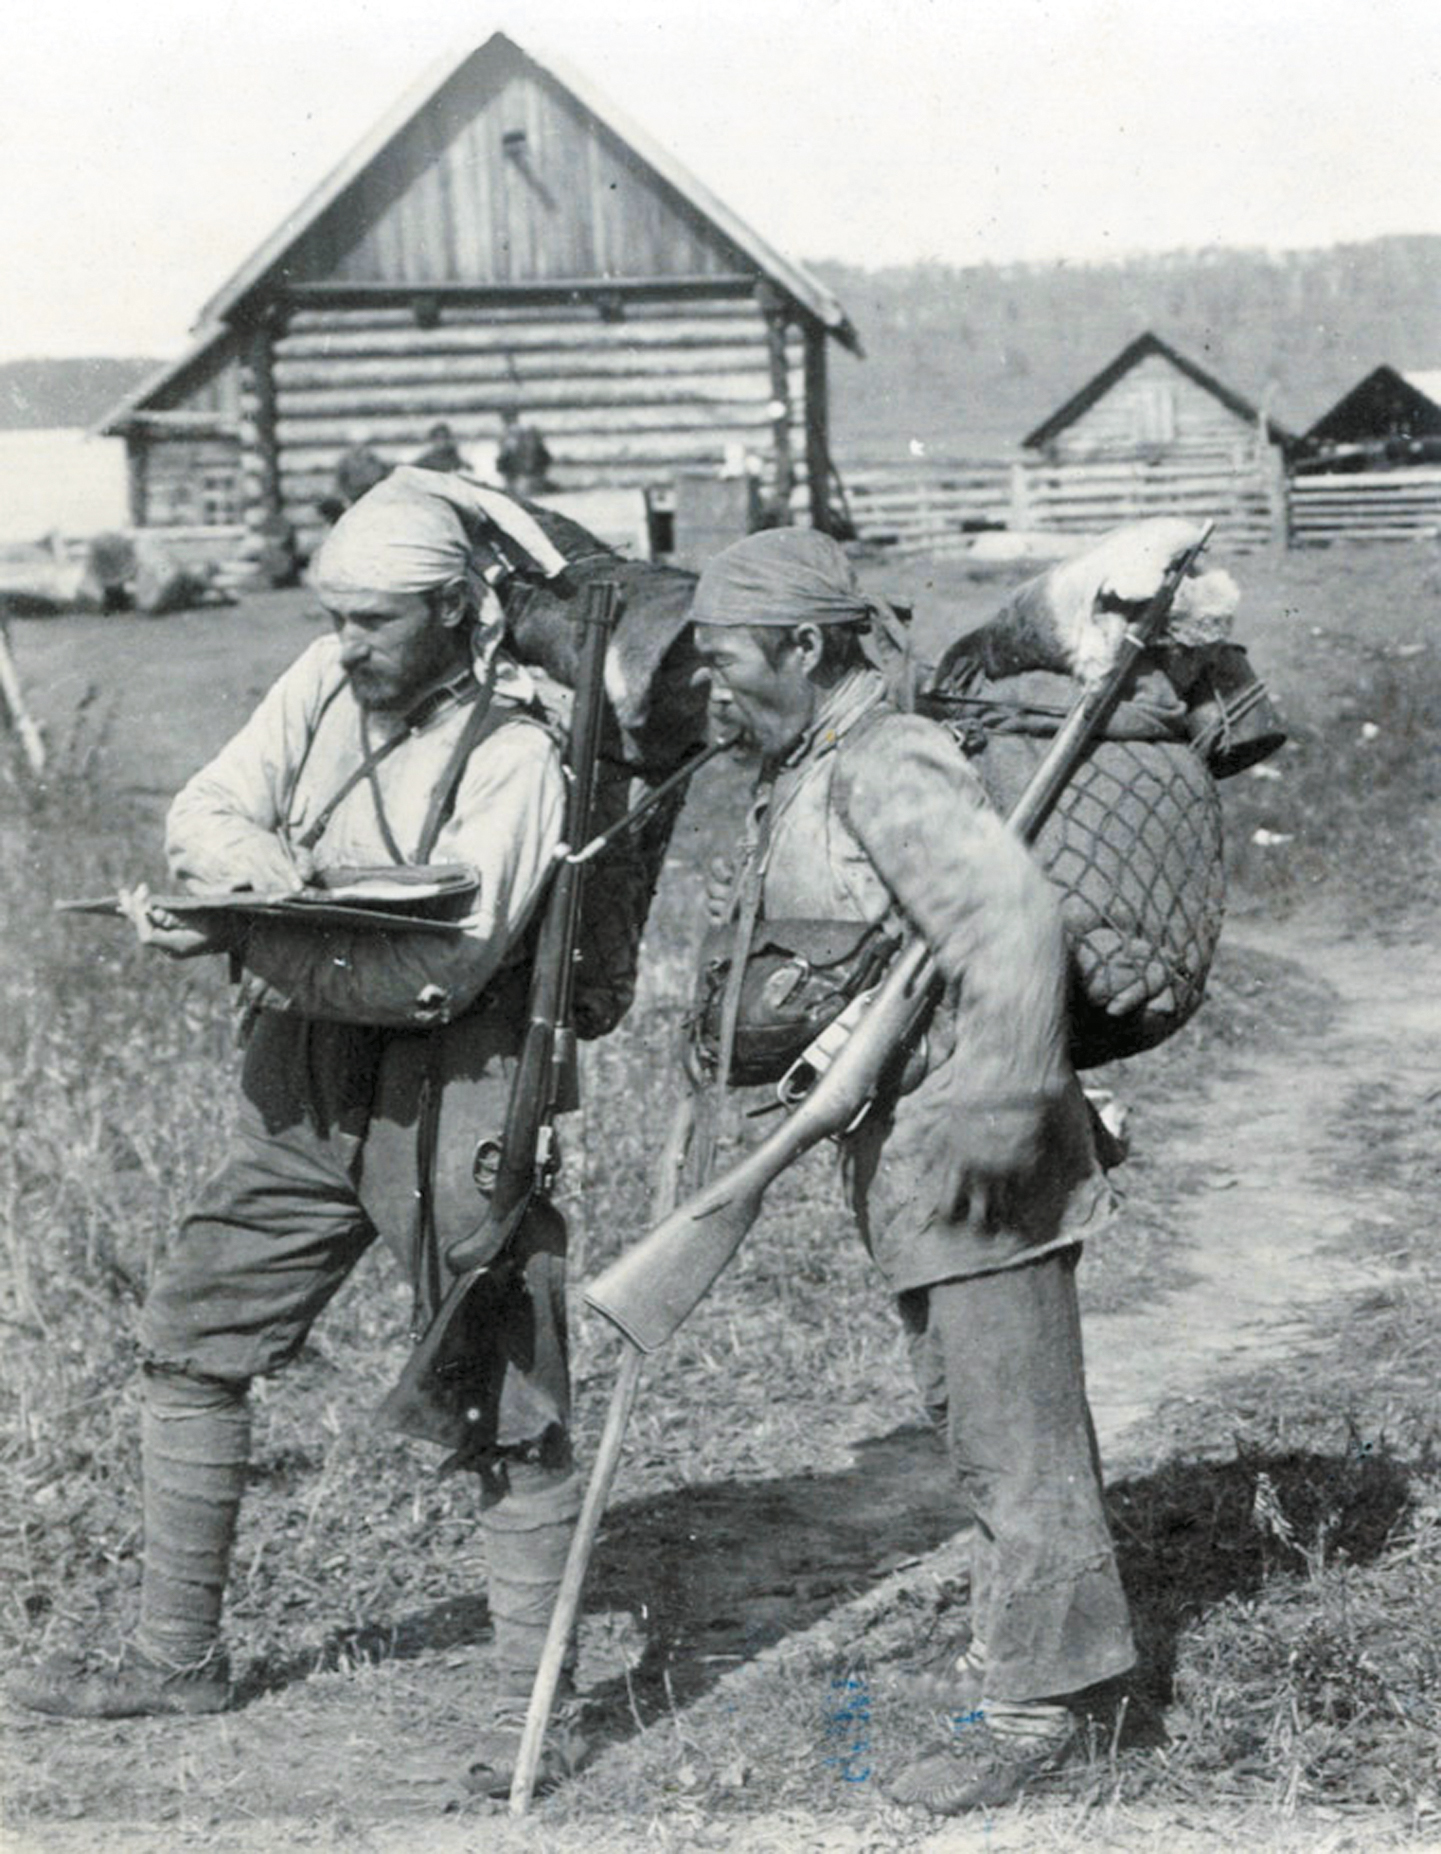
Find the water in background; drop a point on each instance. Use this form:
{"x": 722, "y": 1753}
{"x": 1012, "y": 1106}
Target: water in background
{"x": 61, "y": 481}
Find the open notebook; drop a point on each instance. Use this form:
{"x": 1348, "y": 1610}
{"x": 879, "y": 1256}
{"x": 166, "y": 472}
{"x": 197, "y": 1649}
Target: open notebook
{"x": 433, "y": 898}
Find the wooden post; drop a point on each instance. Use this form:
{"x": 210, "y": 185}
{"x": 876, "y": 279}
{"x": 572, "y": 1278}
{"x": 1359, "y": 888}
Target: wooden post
{"x": 773, "y": 309}
{"x": 1018, "y": 515}
{"x": 259, "y": 441}
{"x": 137, "y": 457}
{"x": 1278, "y": 494}
{"x": 12, "y": 703}
{"x": 818, "y": 446}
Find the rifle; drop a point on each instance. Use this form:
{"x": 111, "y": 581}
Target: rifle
{"x": 444, "y": 1383}
{"x": 650, "y": 1290}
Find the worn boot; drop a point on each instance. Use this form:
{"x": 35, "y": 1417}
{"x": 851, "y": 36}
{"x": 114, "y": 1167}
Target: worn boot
{"x": 126, "y": 1685}
{"x": 528, "y": 1520}
{"x": 195, "y": 1445}
{"x": 997, "y": 1752}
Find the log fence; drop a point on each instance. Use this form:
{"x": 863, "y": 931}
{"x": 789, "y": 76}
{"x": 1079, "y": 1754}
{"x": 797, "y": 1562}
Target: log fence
{"x": 936, "y": 507}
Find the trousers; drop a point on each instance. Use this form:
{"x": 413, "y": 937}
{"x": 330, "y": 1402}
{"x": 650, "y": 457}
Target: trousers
{"x": 326, "y": 1157}
{"x": 998, "y": 1362}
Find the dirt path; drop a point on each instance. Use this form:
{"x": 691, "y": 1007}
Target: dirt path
{"x": 1265, "y": 1245}
{"x": 1267, "y": 1234}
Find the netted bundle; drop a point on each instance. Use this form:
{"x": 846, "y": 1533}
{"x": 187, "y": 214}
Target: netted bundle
{"x": 1134, "y": 845}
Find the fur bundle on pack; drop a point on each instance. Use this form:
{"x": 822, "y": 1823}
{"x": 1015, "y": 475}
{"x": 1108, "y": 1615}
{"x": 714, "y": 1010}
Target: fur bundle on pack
{"x": 1134, "y": 844}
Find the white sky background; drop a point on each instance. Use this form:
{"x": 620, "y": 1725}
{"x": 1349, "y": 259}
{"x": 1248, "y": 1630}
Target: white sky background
{"x": 146, "y": 148}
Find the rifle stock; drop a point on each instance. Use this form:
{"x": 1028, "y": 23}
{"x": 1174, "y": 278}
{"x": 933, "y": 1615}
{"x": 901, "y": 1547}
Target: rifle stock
{"x": 650, "y": 1290}
{"x": 656, "y": 1284}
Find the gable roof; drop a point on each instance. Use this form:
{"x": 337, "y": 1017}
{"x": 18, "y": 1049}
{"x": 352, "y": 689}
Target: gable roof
{"x": 1141, "y": 349}
{"x": 172, "y": 376}
{"x": 264, "y": 264}
{"x": 1363, "y": 412}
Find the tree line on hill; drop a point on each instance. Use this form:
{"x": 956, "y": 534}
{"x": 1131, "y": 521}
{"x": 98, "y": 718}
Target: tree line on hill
{"x": 48, "y": 395}
{"x": 965, "y": 361}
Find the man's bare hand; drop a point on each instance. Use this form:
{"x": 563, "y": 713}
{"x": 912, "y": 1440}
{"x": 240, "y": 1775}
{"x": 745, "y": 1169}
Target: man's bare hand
{"x": 976, "y": 1149}
{"x": 271, "y": 866}
{"x": 181, "y": 938}
{"x": 264, "y": 865}
{"x": 720, "y": 878}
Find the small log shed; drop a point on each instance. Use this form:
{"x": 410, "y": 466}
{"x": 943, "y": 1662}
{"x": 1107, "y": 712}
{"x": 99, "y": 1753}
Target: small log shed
{"x": 1153, "y": 433}
{"x": 1150, "y": 402}
{"x": 1388, "y": 418}
{"x": 502, "y": 238}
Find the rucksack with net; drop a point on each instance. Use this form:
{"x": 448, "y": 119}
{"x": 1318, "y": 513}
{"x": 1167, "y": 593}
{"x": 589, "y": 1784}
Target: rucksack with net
{"x": 1134, "y": 845}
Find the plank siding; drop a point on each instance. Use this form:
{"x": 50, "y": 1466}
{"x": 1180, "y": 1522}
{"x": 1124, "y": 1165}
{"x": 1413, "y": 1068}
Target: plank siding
{"x": 565, "y": 202}
{"x": 1154, "y": 408}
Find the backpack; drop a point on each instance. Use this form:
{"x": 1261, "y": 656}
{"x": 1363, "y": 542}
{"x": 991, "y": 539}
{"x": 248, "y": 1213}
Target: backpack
{"x": 1134, "y": 845}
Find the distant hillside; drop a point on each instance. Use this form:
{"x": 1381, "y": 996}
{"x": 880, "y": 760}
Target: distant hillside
{"x": 968, "y": 361}
{"x": 44, "y": 394}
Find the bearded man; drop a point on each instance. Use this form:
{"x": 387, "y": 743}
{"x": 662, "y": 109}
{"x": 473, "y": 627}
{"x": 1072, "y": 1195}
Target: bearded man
{"x": 374, "y": 1062}
{"x": 975, "y": 1174}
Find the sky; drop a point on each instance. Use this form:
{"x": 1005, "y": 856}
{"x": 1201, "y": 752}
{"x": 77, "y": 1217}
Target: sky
{"x": 147, "y": 148}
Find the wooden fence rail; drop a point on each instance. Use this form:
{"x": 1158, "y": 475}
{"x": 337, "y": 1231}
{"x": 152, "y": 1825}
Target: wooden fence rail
{"x": 1366, "y": 505}
{"x": 924, "y": 507}
{"x": 938, "y": 507}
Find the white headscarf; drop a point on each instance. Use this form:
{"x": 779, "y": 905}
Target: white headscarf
{"x": 418, "y": 529}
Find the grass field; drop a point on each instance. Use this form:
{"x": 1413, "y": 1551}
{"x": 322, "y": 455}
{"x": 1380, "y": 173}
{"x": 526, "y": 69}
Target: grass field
{"x": 1280, "y": 1542}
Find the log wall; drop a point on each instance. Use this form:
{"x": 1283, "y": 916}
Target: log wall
{"x": 188, "y": 481}
{"x": 623, "y": 402}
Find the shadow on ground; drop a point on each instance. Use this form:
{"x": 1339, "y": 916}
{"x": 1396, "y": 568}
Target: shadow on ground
{"x": 712, "y": 1574}
{"x": 1194, "y": 1534}
{"x": 709, "y": 1573}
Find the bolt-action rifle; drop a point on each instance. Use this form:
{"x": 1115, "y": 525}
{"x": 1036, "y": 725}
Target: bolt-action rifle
{"x": 658, "y": 1282}
{"x": 655, "y": 1285}
{"x": 447, "y": 1381}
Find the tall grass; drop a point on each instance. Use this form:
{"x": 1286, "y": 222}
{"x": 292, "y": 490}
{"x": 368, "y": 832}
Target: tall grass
{"x": 1309, "y": 1673}
{"x": 1349, "y": 806}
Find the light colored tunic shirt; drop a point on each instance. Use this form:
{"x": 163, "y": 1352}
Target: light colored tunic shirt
{"x": 288, "y": 762}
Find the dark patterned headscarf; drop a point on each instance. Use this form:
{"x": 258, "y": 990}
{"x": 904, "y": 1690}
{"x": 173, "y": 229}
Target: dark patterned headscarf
{"x": 789, "y": 576}
{"x": 783, "y": 576}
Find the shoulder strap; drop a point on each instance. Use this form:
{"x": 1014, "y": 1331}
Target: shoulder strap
{"x": 425, "y": 711}
{"x": 485, "y": 719}
{"x": 864, "y": 726}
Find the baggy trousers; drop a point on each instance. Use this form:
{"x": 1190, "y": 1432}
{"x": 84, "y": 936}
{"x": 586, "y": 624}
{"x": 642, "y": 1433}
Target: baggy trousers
{"x": 325, "y": 1157}
{"x": 998, "y": 1357}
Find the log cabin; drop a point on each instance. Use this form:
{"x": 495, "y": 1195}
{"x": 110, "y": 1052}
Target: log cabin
{"x": 503, "y": 238}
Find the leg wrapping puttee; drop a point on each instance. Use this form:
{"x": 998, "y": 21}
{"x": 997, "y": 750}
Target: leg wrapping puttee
{"x": 528, "y": 1524}
{"x": 195, "y": 1448}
